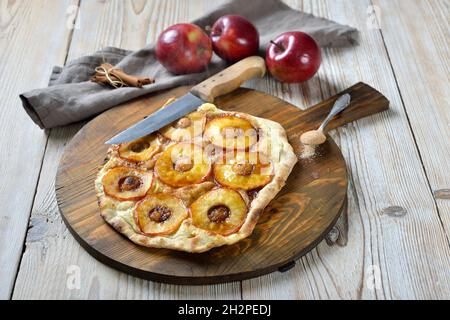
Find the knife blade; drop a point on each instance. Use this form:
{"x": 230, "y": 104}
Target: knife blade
{"x": 158, "y": 119}
{"x": 222, "y": 83}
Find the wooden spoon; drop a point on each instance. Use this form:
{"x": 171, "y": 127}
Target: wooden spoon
{"x": 317, "y": 137}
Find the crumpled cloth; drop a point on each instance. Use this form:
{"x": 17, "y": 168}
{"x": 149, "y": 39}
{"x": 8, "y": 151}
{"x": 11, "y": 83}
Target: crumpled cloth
{"x": 71, "y": 97}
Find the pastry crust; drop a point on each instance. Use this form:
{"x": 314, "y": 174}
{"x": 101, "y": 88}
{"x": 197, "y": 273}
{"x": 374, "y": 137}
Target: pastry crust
{"x": 119, "y": 214}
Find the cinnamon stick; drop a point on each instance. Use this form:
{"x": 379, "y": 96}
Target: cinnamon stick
{"x": 107, "y": 74}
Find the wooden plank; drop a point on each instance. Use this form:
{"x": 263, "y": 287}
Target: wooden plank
{"x": 421, "y": 60}
{"x": 27, "y": 55}
{"x": 392, "y": 225}
{"x": 52, "y": 258}
{"x": 337, "y": 271}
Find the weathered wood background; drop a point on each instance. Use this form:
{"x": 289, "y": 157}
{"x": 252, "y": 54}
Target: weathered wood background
{"x": 394, "y": 241}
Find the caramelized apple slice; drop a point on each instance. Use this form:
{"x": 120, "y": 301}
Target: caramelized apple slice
{"x": 183, "y": 164}
{"x": 221, "y": 211}
{"x": 231, "y": 132}
{"x": 141, "y": 149}
{"x": 243, "y": 170}
{"x": 160, "y": 214}
{"x": 186, "y": 128}
{"x": 123, "y": 183}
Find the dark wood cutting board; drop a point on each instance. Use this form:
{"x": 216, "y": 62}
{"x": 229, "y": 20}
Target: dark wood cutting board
{"x": 294, "y": 222}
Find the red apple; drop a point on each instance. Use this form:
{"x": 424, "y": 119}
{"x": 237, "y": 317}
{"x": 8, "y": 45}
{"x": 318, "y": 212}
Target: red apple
{"x": 234, "y": 38}
{"x": 293, "y": 57}
{"x": 184, "y": 48}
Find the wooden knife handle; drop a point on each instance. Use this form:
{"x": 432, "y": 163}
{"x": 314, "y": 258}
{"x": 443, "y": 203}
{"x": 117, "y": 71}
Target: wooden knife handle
{"x": 365, "y": 101}
{"x": 230, "y": 78}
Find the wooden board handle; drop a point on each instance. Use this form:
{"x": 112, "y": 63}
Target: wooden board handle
{"x": 230, "y": 78}
{"x": 365, "y": 101}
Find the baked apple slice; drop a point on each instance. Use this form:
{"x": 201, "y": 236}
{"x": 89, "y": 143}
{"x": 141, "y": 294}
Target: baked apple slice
{"x": 243, "y": 170}
{"x": 141, "y": 149}
{"x": 124, "y": 183}
{"x": 183, "y": 164}
{"x": 159, "y": 214}
{"x": 221, "y": 211}
{"x": 231, "y": 132}
{"x": 186, "y": 128}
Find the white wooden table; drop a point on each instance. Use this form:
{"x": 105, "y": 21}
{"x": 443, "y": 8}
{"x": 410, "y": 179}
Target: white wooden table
{"x": 394, "y": 241}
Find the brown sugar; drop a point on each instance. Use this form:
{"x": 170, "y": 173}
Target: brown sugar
{"x": 310, "y": 140}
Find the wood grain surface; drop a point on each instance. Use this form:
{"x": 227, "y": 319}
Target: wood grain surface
{"x": 425, "y": 30}
{"x": 385, "y": 173}
{"x": 293, "y": 223}
{"x": 20, "y": 73}
{"x": 410, "y": 252}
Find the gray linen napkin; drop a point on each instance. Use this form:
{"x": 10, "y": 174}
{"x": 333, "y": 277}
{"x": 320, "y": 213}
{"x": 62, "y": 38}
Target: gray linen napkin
{"x": 71, "y": 97}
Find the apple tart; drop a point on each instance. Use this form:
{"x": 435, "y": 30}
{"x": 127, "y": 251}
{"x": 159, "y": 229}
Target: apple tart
{"x": 199, "y": 183}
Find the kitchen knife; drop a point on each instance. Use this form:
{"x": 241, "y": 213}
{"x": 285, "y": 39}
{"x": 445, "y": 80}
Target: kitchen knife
{"x": 221, "y": 83}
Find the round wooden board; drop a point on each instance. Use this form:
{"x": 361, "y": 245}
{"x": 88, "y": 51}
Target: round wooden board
{"x": 293, "y": 223}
